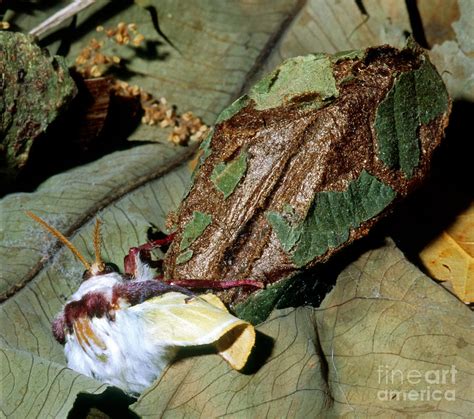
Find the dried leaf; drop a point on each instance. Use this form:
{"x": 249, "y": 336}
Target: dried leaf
{"x": 211, "y": 50}
{"x": 331, "y": 27}
{"x": 450, "y": 256}
{"x": 438, "y": 26}
{"x": 358, "y": 355}
{"x": 91, "y": 114}
{"x": 35, "y": 386}
{"x": 454, "y": 58}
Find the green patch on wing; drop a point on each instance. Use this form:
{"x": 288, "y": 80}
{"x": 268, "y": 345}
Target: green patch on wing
{"x": 331, "y": 217}
{"x": 194, "y": 228}
{"x": 233, "y": 109}
{"x": 226, "y": 176}
{"x": 354, "y": 54}
{"x": 257, "y": 307}
{"x": 431, "y": 93}
{"x": 286, "y": 233}
{"x": 206, "y": 151}
{"x": 309, "y": 77}
{"x": 183, "y": 257}
{"x": 417, "y": 97}
{"x": 205, "y": 147}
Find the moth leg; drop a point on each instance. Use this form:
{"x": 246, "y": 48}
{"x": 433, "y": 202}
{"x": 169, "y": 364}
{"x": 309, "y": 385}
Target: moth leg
{"x": 139, "y": 254}
{"x": 130, "y": 261}
{"x": 216, "y": 285}
{"x": 58, "y": 326}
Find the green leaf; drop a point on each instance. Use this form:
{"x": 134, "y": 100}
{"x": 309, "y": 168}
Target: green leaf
{"x": 34, "y": 386}
{"x": 416, "y": 97}
{"x": 226, "y": 176}
{"x": 194, "y": 228}
{"x": 331, "y": 217}
{"x": 427, "y": 81}
{"x": 383, "y": 318}
{"x": 205, "y": 147}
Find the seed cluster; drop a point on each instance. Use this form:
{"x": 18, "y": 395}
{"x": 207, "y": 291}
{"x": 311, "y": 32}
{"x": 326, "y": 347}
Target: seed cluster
{"x": 93, "y": 62}
{"x": 185, "y": 127}
{"x": 124, "y": 34}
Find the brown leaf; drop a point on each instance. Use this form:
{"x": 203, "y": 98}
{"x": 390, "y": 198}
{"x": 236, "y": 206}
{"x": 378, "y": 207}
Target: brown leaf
{"x": 436, "y": 25}
{"x": 450, "y": 256}
{"x": 95, "y": 95}
{"x": 454, "y": 58}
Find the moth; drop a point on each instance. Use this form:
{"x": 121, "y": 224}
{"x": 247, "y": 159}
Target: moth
{"x": 124, "y": 329}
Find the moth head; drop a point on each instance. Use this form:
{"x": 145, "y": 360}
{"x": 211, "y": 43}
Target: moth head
{"x": 98, "y": 267}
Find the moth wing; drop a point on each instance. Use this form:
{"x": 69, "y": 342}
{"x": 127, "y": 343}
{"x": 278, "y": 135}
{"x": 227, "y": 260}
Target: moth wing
{"x": 178, "y": 320}
{"x": 214, "y": 300}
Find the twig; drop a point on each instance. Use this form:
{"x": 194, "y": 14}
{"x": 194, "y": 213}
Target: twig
{"x": 59, "y": 17}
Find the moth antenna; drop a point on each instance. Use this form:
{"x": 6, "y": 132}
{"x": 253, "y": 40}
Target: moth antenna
{"x": 99, "y": 263}
{"x": 61, "y": 237}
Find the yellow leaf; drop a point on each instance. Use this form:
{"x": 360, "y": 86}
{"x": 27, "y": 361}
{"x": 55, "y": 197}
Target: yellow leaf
{"x": 450, "y": 256}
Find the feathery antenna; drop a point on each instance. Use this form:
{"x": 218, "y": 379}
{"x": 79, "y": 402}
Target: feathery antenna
{"x": 99, "y": 263}
{"x": 61, "y": 237}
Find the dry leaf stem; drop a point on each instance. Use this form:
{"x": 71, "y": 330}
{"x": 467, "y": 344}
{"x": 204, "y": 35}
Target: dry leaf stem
{"x": 59, "y": 17}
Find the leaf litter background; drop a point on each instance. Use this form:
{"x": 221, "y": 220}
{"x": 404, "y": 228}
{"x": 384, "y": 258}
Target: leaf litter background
{"x": 383, "y": 311}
